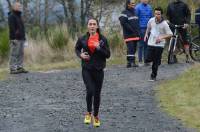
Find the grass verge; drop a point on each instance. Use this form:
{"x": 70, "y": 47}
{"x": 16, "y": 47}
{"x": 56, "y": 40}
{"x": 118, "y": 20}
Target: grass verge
{"x": 181, "y": 97}
{"x": 3, "y": 74}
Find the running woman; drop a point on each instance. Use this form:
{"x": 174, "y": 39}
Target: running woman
{"x": 93, "y": 49}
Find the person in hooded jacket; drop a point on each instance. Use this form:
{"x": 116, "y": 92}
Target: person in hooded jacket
{"x": 159, "y": 31}
{"x": 130, "y": 25}
{"x": 93, "y": 49}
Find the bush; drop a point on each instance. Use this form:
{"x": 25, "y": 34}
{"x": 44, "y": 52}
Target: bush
{"x": 116, "y": 42}
{"x": 35, "y": 32}
{"x": 58, "y": 38}
{"x": 4, "y": 43}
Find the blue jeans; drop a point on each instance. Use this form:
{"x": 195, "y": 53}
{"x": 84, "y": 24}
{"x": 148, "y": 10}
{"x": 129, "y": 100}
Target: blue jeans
{"x": 142, "y": 47}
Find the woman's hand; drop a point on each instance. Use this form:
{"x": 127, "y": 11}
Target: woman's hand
{"x": 99, "y": 45}
{"x": 85, "y": 56}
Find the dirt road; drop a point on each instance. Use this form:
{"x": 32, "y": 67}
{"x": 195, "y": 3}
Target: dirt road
{"x": 55, "y": 102}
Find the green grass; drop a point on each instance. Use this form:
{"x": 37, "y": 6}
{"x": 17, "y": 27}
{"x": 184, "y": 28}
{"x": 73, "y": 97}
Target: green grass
{"x": 3, "y": 74}
{"x": 181, "y": 97}
{"x": 59, "y": 66}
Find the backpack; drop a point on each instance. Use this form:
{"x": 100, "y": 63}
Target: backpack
{"x": 197, "y": 16}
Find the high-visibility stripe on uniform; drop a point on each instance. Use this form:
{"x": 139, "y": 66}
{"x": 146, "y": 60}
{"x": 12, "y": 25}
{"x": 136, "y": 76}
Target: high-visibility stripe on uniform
{"x": 197, "y": 14}
{"x": 123, "y": 15}
{"x": 130, "y": 55}
{"x": 131, "y": 18}
{"x": 132, "y": 39}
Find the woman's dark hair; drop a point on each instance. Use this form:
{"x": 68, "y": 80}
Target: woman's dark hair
{"x": 159, "y": 9}
{"x": 92, "y": 18}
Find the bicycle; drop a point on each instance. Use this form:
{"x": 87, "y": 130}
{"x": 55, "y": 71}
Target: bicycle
{"x": 195, "y": 47}
{"x": 176, "y": 43}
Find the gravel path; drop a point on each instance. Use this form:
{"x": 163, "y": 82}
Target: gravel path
{"x": 55, "y": 102}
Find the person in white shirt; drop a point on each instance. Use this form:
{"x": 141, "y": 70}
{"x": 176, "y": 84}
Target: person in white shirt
{"x": 156, "y": 34}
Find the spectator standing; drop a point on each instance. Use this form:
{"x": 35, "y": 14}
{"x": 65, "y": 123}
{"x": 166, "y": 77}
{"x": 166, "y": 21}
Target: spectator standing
{"x": 130, "y": 24}
{"x": 178, "y": 13}
{"x": 144, "y": 12}
{"x": 17, "y": 39}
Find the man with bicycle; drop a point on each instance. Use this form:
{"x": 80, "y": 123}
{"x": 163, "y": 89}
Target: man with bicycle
{"x": 178, "y": 13}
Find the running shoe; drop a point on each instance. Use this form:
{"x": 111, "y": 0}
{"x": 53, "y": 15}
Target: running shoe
{"x": 88, "y": 118}
{"x": 96, "y": 122}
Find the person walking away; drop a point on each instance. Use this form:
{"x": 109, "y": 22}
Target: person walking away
{"x": 159, "y": 31}
{"x": 93, "y": 49}
{"x": 17, "y": 39}
{"x": 129, "y": 22}
{"x": 178, "y": 13}
{"x": 144, "y": 12}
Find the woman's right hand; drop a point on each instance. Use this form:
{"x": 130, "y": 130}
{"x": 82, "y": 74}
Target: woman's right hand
{"x": 85, "y": 56}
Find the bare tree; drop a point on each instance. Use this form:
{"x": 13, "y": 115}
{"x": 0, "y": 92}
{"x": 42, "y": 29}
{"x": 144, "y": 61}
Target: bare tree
{"x": 46, "y": 13}
{"x": 9, "y": 4}
{"x": 64, "y": 4}
{"x": 85, "y": 10}
{"x": 26, "y": 11}
{"x": 1, "y": 13}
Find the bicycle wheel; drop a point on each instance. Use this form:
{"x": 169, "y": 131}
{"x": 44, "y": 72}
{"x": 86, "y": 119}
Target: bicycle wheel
{"x": 195, "y": 48}
{"x": 171, "y": 55}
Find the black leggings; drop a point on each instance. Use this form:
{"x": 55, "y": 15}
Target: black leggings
{"x": 93, "y": 80}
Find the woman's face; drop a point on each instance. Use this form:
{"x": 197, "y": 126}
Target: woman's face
{"x": 92, "y": 26}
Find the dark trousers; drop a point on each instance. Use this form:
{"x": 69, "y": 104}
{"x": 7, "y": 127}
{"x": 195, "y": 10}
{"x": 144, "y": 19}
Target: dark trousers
{"x": 142, "y": 46}
{"x": 154, "y": 54}
{"x": 16, "y": 54}
{"x": 131, "y": 50}
{"x": 93, "y": 80}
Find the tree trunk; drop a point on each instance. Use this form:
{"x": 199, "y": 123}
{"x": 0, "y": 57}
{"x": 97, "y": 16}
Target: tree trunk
{"x": 46, "y": 15}
{"x": 9, "y": 4}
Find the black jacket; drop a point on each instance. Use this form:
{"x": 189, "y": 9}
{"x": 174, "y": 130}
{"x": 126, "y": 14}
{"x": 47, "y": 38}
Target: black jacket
{"x": 178, "y": 13}
{"x": 98, "y": 58}
{"x": 16, "y": 26}
{"x": 130, "y": 24}
{"x": 197, "y": 16}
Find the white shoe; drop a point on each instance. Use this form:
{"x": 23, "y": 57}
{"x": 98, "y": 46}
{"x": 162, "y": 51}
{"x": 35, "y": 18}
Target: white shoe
{"x": 140, "y": 64}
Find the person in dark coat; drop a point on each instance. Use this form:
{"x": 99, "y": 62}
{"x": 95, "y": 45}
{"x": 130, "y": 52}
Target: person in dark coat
{"x": 17, "y": 39}
{"x": 179, "y": 13}
{"x": 130, "y": 24}
{"x": 93, "y": 49}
